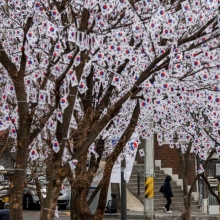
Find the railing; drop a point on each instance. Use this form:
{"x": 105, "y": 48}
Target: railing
{"x": 139, "y": 176}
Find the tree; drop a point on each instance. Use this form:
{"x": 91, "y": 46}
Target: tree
{"x": 189, "y": 126}
{"x": 70, "y": 69}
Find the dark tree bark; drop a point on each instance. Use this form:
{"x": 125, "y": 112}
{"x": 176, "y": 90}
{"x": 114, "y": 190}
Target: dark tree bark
{"x": 16, "y": 190}
{"x": 80, "y": 185}
{"x": 186, "y": 215}
{"x": 99, "y": 214}
{"x": 115, "y": 188}
{"x": 57, "y": 171}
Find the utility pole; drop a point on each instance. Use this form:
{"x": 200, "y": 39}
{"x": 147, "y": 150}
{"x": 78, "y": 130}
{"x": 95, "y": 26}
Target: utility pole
{"x": 149, "y": 178}
{"x": 123, "y": 192}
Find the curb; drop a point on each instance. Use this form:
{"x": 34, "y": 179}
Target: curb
{"x": 118, "y": 216}
{"x": 159, "y": 217}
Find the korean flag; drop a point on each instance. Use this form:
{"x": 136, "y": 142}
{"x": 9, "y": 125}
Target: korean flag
{"x": 73, "y": 164}
{"x": 82, "y": 87}
{"x": 51, "y": 30}
{"x": 42, "y": 97}
{"x": 59, "y": 116}
{"x": 117, "y": 81}
{"x": 201, "y": 169}
{"x": 161, "y": 13}
{"x": 141, "y": 152}
{"x": 55, "y": 145}
{"x": 185, "y": 6}
{"x": 133, "y": 145}
{"x": 72, "y": 34}
{"x": 63, "y": 103}
{"x": 190, "y": 20}
{"x": 33, "y": 154}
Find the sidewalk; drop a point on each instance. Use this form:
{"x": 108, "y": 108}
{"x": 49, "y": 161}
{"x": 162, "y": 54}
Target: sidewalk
{"x": 158, "y": 215}
{"x": 135, "y": 210}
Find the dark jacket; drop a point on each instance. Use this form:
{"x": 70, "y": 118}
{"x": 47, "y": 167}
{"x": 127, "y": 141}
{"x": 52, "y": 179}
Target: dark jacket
{"x": 4, "y": 214}
{"x": 167, "y": 191}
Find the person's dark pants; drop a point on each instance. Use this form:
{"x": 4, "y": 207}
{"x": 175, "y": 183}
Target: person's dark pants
{"x": 4, "y": 214}
{"x": 169, "y": 201}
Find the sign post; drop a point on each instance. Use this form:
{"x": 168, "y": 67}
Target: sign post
{"x": 217, "y": 176}
{"x": 123, "y": 192}
{"x": 149, "y": 179}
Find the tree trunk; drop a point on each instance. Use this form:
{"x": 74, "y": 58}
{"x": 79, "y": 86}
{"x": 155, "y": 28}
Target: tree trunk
{"x": 104, "y": 191}
{"x": 57, "y": 176}
{"x": 78, "y": 207}
{"x": 100, "y": 211}
{"x": 17, "y": 184}
{"x": 74, "y": 215}
{"x": 49, "y": 205}
{"x": 19, "y": 175}
{"x": 80, "y": 186}
{"x": 186, "y": 215}
{"x": 115, "y": 187}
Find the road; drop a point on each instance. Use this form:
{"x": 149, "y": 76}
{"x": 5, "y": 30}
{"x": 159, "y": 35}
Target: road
{"x": 63, "y": 215}
{"x": 34, "y": 215}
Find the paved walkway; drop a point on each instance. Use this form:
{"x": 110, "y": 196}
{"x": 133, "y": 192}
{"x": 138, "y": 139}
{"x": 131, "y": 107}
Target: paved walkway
{"x": 160, "y": 215}
{"x": 135, "y": 210}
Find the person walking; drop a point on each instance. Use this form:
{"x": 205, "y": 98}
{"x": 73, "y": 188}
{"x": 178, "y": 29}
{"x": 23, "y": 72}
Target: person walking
{"x": 168, "y": 193}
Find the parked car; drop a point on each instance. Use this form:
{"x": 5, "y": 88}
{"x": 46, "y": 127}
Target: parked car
{"x": 4, "y": 187}
{"x": 31, "y": 199}
{"x": 4, "y": 197}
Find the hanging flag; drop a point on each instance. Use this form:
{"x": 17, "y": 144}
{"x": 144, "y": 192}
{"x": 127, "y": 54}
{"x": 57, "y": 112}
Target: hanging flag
{"x": 5, "y": 108}
{"x": 73, "y": 164}
{"x": 52, "y": 125}
{"x": 59, "y": 116}
{"x": 12, "y": 132}
{"x": 200, "y": 169}
{"x": 67, "y": 57}
{"x": 202, "y": 156}
{"x": 3, "y": 124}
{"x": 101, "y": 74}
{"x": 196, "y": 64}
{"x": 55, "y": 14}
{"x": 55, "y": 144}
{"x": 31, "y": 37}
{"x": 133, "y": 145}
{"x": 82, "y": 87}
{"x": 33, "y": 154}
{"x": 71, "y": 75}
{"x": 56, "y": 212}
{"x": 73, "y": 123}
{"x": 72, "y": 34}
{"x": 42, "y": 97}
{"x": 51, "y": 30}
{"x": 66, "y": 155}
{"x": 117, "y": 81}
{"x": 161, "y": 13}
{"x": 63, "y": 103}
{"x": 141, "y": 152}
{"x": 154, "y": 25}
{"x": 190, "y": 20}
{"x": 185, "y": 6}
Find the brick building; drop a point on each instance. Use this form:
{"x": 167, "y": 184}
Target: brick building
{"x": 169, "y": 161}
{"x": 166, "y": 158}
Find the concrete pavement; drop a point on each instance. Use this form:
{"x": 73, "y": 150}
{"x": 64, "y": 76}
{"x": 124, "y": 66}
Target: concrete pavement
{"x": 131, "y": 215}
{"x": 135, "y": 210}
{"x": 160, "y": 215}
